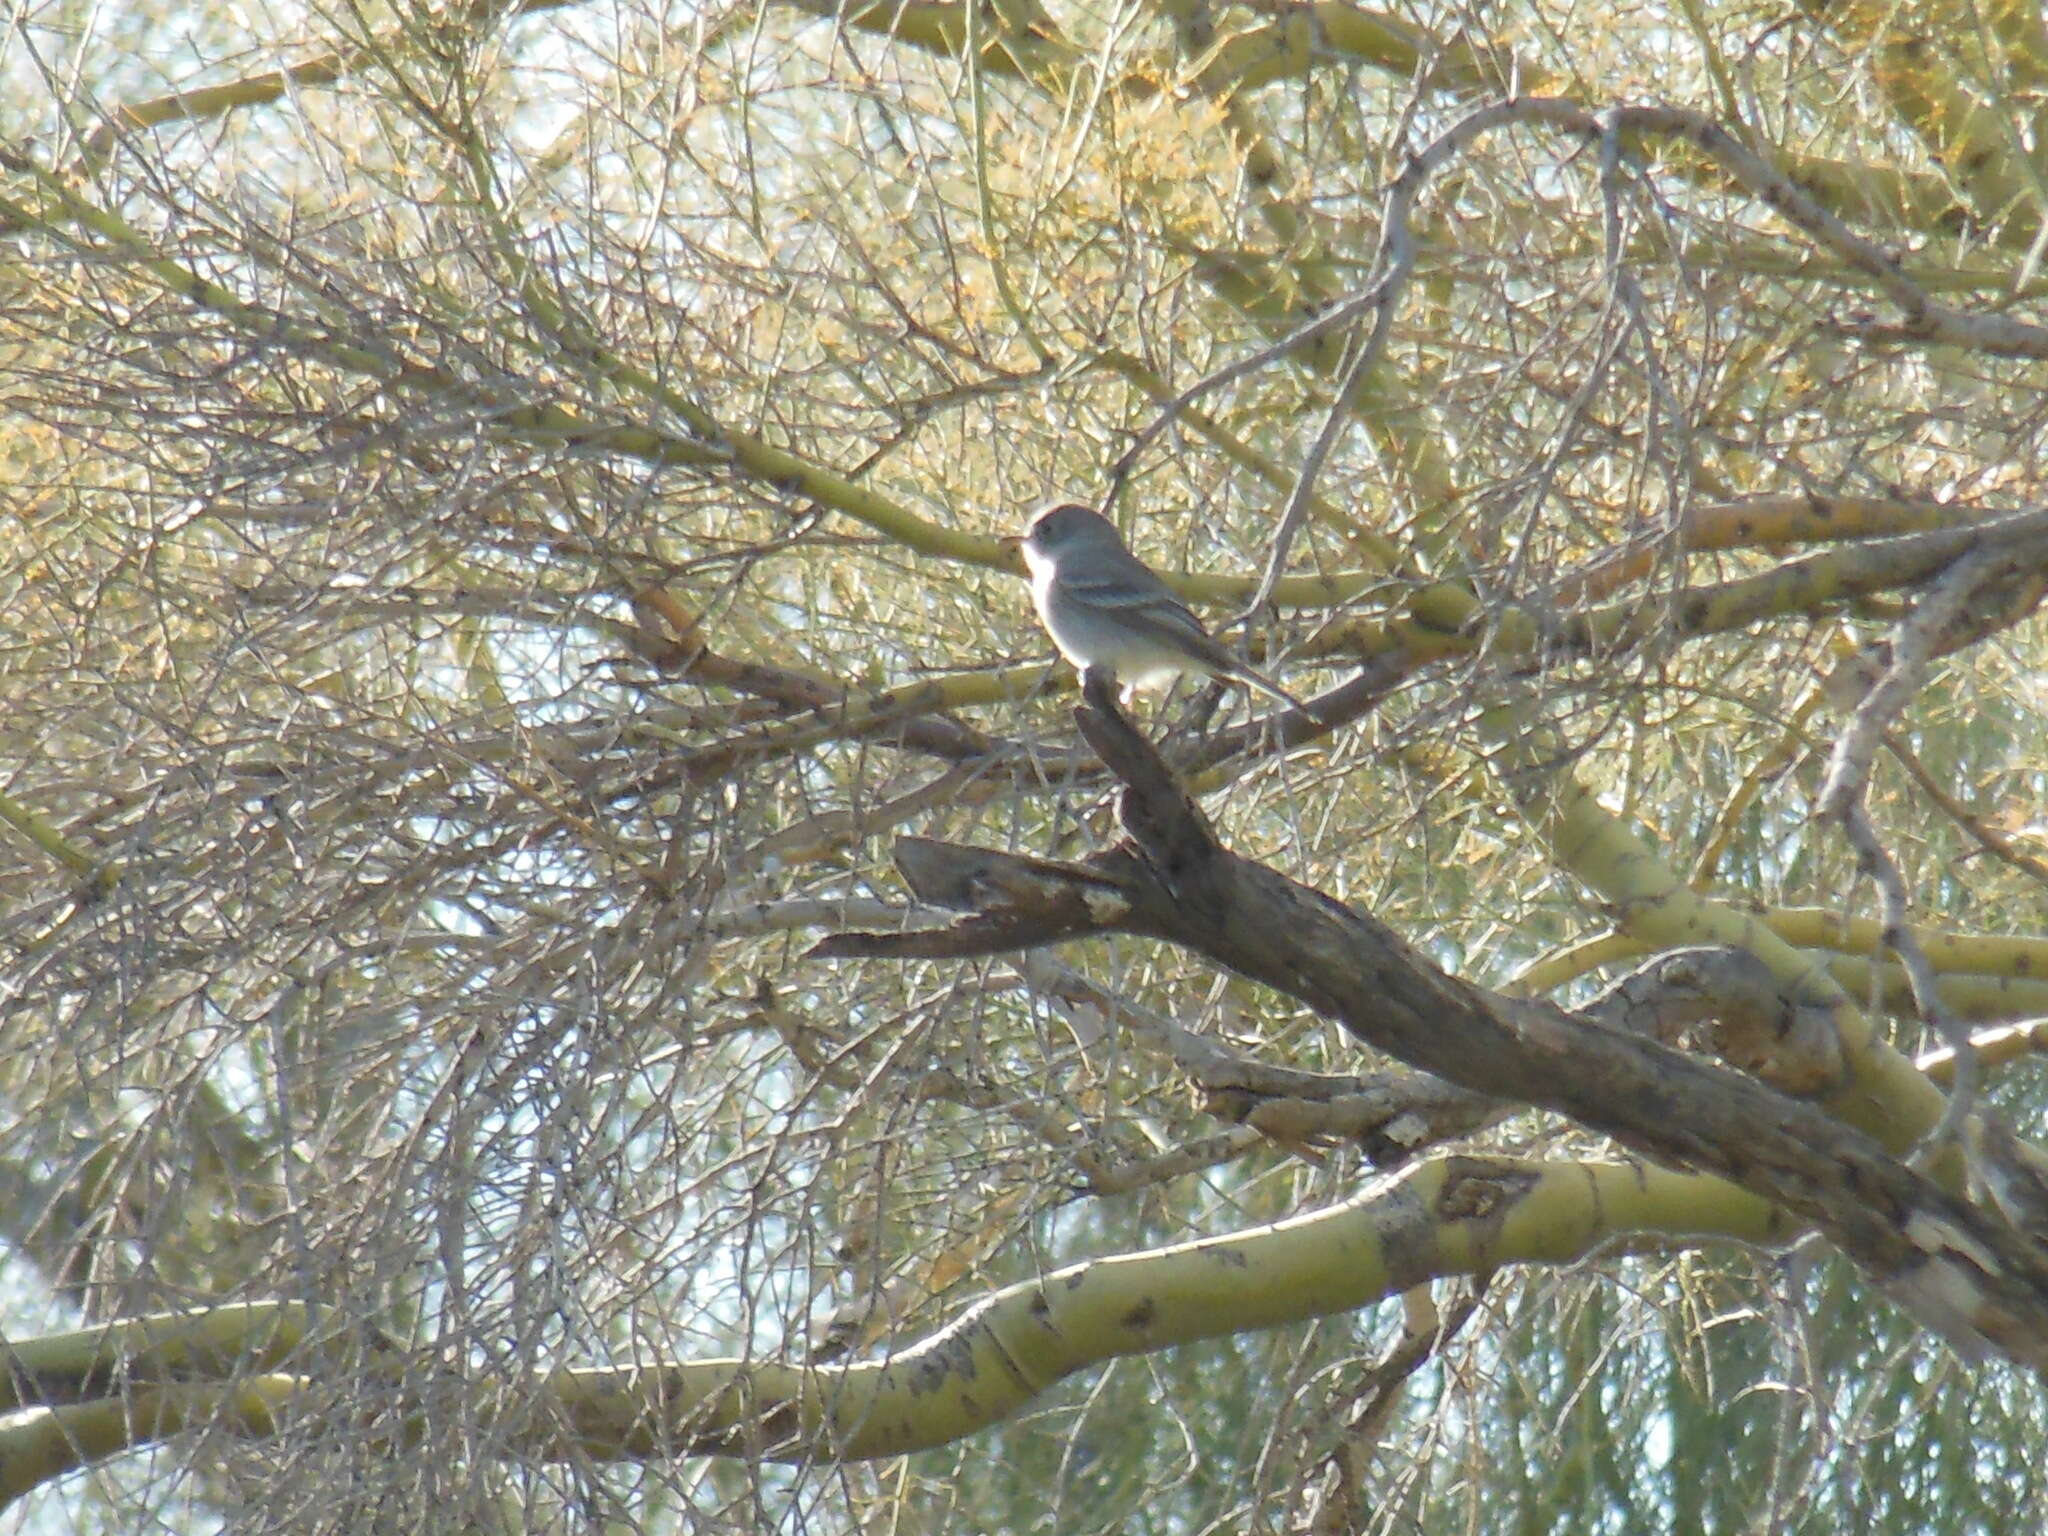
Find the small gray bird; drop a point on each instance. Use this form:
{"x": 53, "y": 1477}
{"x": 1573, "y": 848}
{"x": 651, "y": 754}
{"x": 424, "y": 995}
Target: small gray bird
{"x": 1104, "y": 608}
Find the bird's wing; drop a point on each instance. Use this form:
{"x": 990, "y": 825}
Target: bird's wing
{"x": 1145, "y": 602}
{"x": 1176, "y": 625}
{"x": 1133, "y": 590}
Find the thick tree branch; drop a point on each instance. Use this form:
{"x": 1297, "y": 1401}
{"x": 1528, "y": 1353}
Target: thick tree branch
{"x": 1961, "y": 1270}
{"x": 82, "y": 1397}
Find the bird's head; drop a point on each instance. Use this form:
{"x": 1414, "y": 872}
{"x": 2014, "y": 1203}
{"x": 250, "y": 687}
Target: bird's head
{"x": 1063, "y": 526}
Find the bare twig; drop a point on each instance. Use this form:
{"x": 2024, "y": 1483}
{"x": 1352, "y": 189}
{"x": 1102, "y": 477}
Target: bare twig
{"x": 1427, "y": 1330}
{"x": 1395, "y": 263}
{"x": 1914, "y": 646}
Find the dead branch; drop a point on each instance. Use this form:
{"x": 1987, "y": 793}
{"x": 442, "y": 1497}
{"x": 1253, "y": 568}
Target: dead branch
{"x": 1955, "y": 1266}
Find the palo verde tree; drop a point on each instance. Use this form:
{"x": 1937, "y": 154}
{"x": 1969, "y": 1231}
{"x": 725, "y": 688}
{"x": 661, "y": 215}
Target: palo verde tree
{"x": 567, "y": 953}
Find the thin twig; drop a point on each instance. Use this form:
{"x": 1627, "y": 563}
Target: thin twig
{"x": 1328, "y": 323}
{"x": 1914, "y": 645}
{"x": 1396, "y": 243}
{"x": 1395, "y": 263}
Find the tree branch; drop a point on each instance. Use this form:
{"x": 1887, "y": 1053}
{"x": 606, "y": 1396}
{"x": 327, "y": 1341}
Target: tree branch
{"x": 1962, "y": 1271}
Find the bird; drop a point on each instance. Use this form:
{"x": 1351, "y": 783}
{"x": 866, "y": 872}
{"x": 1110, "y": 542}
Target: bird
{"x": 1105, "y": 608}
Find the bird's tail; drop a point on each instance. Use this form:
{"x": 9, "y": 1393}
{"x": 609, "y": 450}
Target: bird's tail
{"x": 1264, "y": 684}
